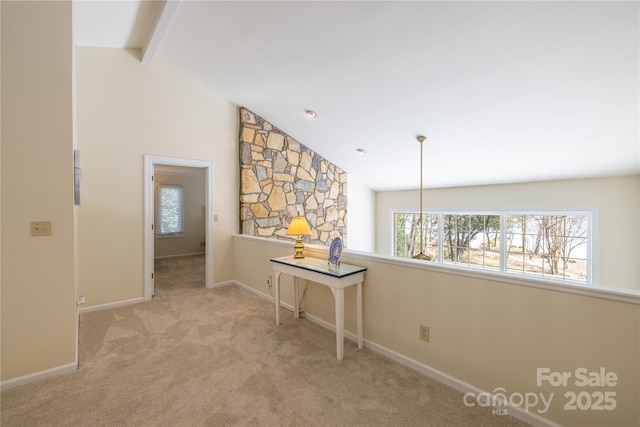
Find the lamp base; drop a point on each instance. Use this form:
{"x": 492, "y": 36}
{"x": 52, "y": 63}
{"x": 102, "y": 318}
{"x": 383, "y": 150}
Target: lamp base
{"x": 298, "y": 248}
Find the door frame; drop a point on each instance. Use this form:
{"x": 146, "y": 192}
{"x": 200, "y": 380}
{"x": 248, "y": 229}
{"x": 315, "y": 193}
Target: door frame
{"x": 149, "y": 217}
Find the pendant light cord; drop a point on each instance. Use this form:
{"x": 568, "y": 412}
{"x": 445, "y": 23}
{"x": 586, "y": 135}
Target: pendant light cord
{"x": 421, "y": 227}
{"x": 421, "y": 255}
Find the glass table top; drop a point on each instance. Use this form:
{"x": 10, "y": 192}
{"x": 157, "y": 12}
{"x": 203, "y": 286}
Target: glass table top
{"x": 320, "y": 266}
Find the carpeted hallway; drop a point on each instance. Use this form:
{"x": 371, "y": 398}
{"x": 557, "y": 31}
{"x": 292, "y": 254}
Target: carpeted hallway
{"x": 195, "y": 356}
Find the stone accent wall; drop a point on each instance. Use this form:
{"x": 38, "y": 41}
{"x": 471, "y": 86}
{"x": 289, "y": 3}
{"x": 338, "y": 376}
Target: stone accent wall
{"x": 280, "y": 177}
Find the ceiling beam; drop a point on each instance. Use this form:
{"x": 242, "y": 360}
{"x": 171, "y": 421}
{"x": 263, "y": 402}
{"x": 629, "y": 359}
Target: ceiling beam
{"x": 164, "y": 12}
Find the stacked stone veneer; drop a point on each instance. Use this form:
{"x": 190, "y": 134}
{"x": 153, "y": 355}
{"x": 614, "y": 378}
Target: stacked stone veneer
{"x": 280, "y": 177}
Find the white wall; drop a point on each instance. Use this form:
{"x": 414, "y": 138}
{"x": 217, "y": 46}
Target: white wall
{"x": 39, "y": 322}
{"x": 126, "y": 110}
{"x": 361, "y": 215}
{"x": 616, "y": 200}
{"x": 194, "y": 188}
{"x": 484, "y": 333}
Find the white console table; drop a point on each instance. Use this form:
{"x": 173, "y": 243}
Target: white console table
{"x": 317, "y": 270}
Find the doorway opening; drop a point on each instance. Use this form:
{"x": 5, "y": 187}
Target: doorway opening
{"x": 162, "y": 166}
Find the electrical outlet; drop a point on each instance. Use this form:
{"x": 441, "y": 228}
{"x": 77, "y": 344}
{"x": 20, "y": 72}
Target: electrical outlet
{"x": 41, "y": 228}
{"x": 269, "y": 281}
{"x": 81, "y": 300}
{"x": 424, "y": 333}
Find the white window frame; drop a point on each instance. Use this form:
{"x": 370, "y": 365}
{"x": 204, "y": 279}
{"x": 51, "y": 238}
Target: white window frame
{"x": 592, "y": 241}
{"x": 159, "y": 234}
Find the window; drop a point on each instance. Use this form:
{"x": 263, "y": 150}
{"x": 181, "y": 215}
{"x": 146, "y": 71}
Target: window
{"x": 548, "y": 245}
{"x": 407, "y": 234}
{"x": 170, "y": 210}
{"x": 471, "y": 240}
{"x": 553, "y": 245}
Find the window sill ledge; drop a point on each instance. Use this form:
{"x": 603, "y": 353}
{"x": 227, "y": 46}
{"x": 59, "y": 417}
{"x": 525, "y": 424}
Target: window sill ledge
{"x": 170, "y": 236}
{"x": 631, "y": 296}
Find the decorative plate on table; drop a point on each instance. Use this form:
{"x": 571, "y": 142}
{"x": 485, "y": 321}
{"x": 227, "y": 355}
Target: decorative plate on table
{"x": 335, "y": 250}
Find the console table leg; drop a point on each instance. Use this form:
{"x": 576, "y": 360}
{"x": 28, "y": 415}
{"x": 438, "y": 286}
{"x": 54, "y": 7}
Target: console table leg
{"x": 277, "y": 285}
{"x": 296, "y": 301}
{"x": 339, "y": 297}
{"x": 359, "y": 314}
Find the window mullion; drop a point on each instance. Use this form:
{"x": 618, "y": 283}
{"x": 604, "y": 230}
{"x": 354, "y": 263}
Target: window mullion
{"x": 503, "y": 242}
{"x": 440, "y": 237}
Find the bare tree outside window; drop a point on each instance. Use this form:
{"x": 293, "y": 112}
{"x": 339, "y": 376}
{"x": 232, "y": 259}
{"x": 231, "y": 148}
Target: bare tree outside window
{"x": 407, "y": 234}
{"x": 543, "y": 245}
{"x": 548, "y": 245}
{"x": 170, "y": 209}
{"x": 468, "y": 239}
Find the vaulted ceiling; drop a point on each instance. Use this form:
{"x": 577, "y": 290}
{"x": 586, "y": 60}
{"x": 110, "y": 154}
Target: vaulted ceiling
{"x": 505, "y": 92}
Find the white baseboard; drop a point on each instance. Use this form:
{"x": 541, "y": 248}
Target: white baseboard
{"x": 455, "y": 383}
{"x": 110, "y": 305}
{"x": 38, "y": 376}
{"x": 252, "y": 290}
{"x": 221, "y": 284}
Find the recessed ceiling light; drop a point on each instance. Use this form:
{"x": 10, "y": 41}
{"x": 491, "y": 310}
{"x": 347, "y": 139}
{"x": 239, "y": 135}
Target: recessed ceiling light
{"x": 310, "y": 113}
{"x": 361, "y": 151}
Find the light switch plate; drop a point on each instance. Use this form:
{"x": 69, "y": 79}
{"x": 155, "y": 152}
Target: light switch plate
{"x": 41, "y": 228}
{"x": 425, "y": 333}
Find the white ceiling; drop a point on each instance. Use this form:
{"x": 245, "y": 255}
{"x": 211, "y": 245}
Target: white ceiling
{"x": 504, "y": 91}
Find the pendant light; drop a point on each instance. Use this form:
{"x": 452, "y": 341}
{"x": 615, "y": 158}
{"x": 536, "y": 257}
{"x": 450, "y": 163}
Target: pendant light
{"x": 420, "y": 255}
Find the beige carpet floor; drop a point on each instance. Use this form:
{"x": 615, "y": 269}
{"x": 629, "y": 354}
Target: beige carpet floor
{"x": 198, "y": 357}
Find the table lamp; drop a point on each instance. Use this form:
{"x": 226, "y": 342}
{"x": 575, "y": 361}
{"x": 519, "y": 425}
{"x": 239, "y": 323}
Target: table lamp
{"x": 298, "y": 227}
